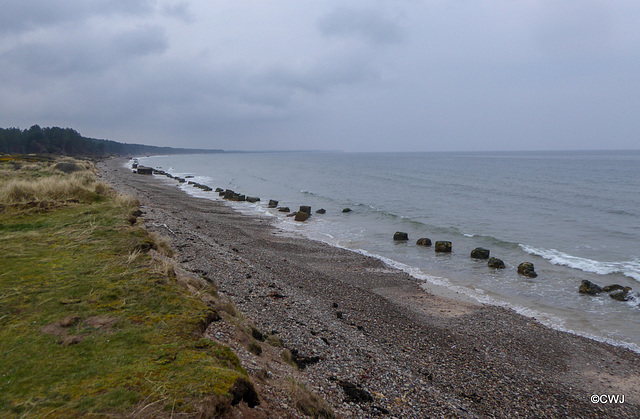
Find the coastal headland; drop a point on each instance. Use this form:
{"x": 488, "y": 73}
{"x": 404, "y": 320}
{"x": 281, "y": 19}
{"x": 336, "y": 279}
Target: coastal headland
{"x": 367, "y": 338}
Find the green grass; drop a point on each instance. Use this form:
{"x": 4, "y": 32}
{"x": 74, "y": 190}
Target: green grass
{"x": 139, "y": 331}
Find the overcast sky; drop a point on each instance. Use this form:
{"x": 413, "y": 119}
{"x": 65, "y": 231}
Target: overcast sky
{"x": 403, "y": 75}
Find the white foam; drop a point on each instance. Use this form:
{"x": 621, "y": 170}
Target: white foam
{"x": 629, "y": 268}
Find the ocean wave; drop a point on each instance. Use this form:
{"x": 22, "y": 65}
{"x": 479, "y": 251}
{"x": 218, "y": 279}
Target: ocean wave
{"x": 621, "y": 212}
{"x": 325, "y": 198}
{"x": 629, "y": 268}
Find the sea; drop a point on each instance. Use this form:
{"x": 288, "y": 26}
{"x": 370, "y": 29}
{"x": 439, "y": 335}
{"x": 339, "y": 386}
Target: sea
{"x": 574, "y": 214}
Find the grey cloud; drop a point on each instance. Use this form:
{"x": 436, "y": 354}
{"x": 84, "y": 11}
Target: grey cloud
{"x": 22, "y": 15}
{"x": 124, "y": 6}
{"x": 189, "y": 104}
{"x": 82, "y": 51}
{"x": 365, "y": 24}
{"x": 322, "y": 75}
{"x": 179, "y": 10}
{"x": 139, "y": 41}
{"x": 511, "y": 75}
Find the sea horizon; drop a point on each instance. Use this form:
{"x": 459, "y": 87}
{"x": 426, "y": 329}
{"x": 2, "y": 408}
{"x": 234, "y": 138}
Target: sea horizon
{"x": 483, "y": 151}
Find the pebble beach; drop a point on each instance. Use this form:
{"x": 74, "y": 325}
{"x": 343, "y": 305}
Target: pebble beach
{"x": 369, "y": 339}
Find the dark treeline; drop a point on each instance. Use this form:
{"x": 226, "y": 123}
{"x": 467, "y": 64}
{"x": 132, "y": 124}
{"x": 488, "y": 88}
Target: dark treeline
{"x": 67, "y": 141}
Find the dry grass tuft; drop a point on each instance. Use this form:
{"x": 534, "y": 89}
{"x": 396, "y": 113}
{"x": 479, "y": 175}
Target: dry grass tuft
{"x": 45, "y": 189}
{"x": 133, "y": 256}
{"x": 43, "y": 181}
{"x": 166, "y": 268}
{"x": 215, "y": 406}
{"x": 102, "y": 188}
{"x": 227, "y": 306}
{"x": 126, "y": 201}
{"x": 161, "y": 244}
{"x": 308, "y": 403}
{"x": 70, "y": 165}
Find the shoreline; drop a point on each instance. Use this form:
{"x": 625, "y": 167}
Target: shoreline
{"x": 429, "y": 287}
{"x": 441, "y": 285}
{"x": 415, "y": 353}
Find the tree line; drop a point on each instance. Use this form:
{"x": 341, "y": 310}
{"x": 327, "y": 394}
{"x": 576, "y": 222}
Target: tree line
{"x": 68, "y": 142}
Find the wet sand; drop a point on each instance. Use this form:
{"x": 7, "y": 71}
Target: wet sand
{"x": 357, "y": 321}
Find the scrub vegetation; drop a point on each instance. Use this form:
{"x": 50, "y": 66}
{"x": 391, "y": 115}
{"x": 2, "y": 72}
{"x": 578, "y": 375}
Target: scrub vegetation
{"x": 91, "y": 322}
{"x": 69, "y": 142}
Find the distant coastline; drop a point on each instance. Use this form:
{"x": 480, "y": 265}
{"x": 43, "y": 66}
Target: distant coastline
{"x": 69, "y": 142}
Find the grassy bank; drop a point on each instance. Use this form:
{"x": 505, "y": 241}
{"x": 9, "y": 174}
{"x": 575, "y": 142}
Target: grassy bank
{"x": 91, "y": 322}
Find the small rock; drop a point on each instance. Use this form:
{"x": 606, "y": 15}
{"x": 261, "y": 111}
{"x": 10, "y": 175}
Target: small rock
{"x": 305, "y": 208}
{"x": 284, "y": 209}
{"x": 424, "y": 242}
{"x": 321, "y": 211}
{"x": 301, "y": 216}
{"x": 526, "y": 269}
{"x": 273, "y": 203}
{"x": 496, "y": 263}
{"x": 443, "y": 246}
{"x": 400, "y": 236}
{"x": 621, "y": 295}
{"x": 480, "y": 253}
{"x": 588, "y": 287}
{"x": 613, "y": 287}
{"x": 346, "y": 210}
